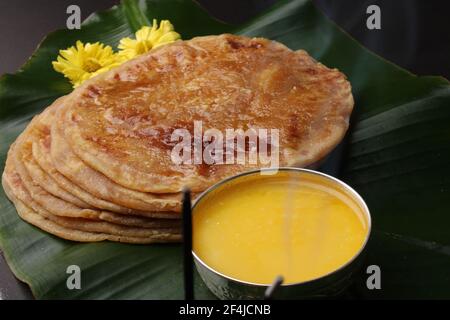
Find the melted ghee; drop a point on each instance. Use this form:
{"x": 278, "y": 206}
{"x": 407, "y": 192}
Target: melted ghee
{"x": 302, "y": 226}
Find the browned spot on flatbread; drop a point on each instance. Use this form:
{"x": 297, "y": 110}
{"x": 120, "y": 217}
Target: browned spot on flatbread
{"x": 47, "y": 142}
{"x": 235, "y": 44}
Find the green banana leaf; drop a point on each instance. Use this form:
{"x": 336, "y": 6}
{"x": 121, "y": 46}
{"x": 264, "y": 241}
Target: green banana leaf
{"x": 397, "y": 157}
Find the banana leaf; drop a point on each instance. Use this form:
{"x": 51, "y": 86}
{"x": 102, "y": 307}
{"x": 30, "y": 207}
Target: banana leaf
{"x": 397, "y": 156}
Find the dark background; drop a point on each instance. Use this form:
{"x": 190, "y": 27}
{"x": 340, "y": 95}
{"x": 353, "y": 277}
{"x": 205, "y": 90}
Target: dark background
{"x": 415, "y": 34}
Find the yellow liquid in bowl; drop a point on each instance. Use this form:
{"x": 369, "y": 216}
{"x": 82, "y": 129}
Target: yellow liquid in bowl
{"x": 298, "y": 225}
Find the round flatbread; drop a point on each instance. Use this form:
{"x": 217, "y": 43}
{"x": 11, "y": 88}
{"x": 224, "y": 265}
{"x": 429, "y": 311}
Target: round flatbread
{"x": 65, "y": 232}
{"x": 94, "y": 182}
{"x": 117, "y": 197}
{"x": 47, "y": 203}
{"x": 120, "y": 123}
{"x": 79, "y": 229}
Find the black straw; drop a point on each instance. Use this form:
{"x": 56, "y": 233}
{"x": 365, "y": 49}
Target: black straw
{"x": 187, "y": 246}
{"x": 268, "y": 295}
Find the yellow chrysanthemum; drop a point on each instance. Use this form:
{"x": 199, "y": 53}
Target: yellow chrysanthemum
{"x": 84, "y": 61}
{"x": 148, "y": 38}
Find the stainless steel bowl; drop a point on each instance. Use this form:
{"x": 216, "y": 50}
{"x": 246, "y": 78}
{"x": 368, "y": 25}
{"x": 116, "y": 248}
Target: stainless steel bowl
{"x": 331, "y": 284}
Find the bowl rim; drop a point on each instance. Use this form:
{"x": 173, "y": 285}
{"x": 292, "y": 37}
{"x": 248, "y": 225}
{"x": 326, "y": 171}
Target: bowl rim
{"x": 345, "y": 186}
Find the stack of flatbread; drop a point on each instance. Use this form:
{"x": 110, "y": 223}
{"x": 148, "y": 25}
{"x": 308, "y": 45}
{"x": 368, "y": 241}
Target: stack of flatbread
{"x": 97, "y": 164}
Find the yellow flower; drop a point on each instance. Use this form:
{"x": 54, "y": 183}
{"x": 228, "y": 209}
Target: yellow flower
{"x": 84, "y": 61}
{"x": 148, "y": 38}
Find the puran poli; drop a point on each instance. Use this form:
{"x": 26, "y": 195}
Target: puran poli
{"x": 51, "y": 203}
{"x": 41, "y": 154}
{"x": 65, "y": 232}
{"x": 100, "y": 186}
{"x": 136, "y": 221}
{"x": 120, "y": 122}
{"x": 20, "y": 191}
{"x": 152, "y": 206}
{"x": 40, "y": 177}
{"x": 97, "y": 184}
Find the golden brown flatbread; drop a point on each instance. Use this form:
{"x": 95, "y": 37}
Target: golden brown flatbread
{"x": 120, "y": 122}
{"x": 77, "y": 178}
{"x": 63, "y": 227}
{"x": 46, "y": 205}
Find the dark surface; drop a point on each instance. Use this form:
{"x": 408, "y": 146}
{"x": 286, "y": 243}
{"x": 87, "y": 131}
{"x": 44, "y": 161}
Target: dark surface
{"x": 188, "y": 259}
{"x": 415, "y": 35}
{"x": 10, "y": 287}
